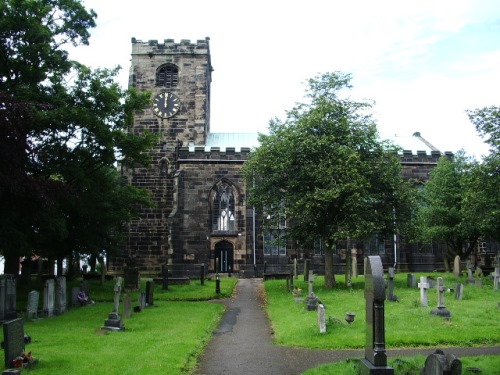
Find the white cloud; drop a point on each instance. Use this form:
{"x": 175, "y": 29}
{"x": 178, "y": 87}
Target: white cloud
{"x": 423, "y": 62}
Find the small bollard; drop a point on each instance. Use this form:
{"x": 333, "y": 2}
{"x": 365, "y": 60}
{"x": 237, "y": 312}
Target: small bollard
{"x": 217, "y": 284}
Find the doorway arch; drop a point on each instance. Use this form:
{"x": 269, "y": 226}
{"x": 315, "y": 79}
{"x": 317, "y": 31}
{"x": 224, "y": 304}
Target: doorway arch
{"x": 224, "y": 251}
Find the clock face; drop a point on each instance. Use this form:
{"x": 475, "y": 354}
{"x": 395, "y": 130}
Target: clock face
{"x": 166, "y": 104}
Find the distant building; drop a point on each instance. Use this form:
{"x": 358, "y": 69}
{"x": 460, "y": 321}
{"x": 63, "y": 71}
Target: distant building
{"x": 201, "y": 213}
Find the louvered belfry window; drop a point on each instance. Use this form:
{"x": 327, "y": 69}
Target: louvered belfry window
{"x": 167, "y": 76}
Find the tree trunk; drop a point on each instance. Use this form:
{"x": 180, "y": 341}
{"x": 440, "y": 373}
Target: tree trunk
{"x": 329, "y": 275}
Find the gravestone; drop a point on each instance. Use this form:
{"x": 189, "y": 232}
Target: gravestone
{"x": 295, "y": 274}
{"x": 32, "y": 309}
{"x": 149, "y": 293}
{"x": 375, "y": 361}
{"x": 306, "y": 270}
{"x": 456, "y": 266}
{"x": 48, "y": 297}
{"x": 459, "y": 291}
{"x": 8, "y": 297}
{"x": 114, "y": 321}
{"x": 311, "y": 300}
{"x": 61, "y": 301}
{"x": 441, "y": 310}
{"x": 13, "y": 334}
{"x": 423, "y": 286}
{"x": 496, "y": 278}
{"x": 411, "y": 280}
{"x": 354, "y": 262}
{"x": 127, "y": 306}
{"x": 321, "y": 318}
{"x": 479, "y": 277}
{"x": 470, "y": 276}
{"x": 142, "y": 301}
{"x": 202, "y": 274}
{"x": 440, "y": 364}
{"x": 390, "y": 285}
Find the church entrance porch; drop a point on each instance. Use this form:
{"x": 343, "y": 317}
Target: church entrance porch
{"x": 224, "y": 254}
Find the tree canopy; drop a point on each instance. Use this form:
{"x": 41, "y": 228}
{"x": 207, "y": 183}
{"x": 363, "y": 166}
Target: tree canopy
{"x": 64, "y": 127}
{"x": 325, "y": 170}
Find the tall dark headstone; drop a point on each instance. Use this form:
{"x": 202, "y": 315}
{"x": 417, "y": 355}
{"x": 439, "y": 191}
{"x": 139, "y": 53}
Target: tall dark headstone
{"x": 149, "y": 293}
{"x": 8, "y": 297}
{"x": 306, "y": 270}
{"x": 132, "y": 276}
{"x": 375, "y": 361}
{"x": 13, "y": 333}
{"x": 61, "y": 299}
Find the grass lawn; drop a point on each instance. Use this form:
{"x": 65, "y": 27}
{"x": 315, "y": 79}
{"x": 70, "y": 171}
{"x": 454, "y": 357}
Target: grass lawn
{"x": 166, "y": 338}
{"x": 474, "y": 321}
{"x": 169, "y": 337}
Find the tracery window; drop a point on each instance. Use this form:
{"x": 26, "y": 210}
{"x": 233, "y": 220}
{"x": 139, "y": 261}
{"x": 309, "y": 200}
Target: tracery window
{"x": 223, "y": 209}
{"x": 167, "y": 76}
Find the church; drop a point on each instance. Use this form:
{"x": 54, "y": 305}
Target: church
{"x": 200, "y": 213}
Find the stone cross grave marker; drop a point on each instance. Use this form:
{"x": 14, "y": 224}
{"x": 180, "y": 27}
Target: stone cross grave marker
{"x": 441, "y": 310}
{"x": 311, "y": 300}
{"x": 61, "y": 301}
{"x": 32, "y": 308}
{"x": 8, "y": 297}
{"x": 149, "y": 293}
{"x": 456, "y": 266}
{"x": 114, "y": 321}
{"x": 390, "y": 285}
{"x": 438, "y": 363}
{"x": 321, "y": 318}
{"x": 48, "y": 297}
{"x": 13, "y": 333}
{"x": 423, "y": 286}
{"x": 459, "y": 291}
{"x": 496, "y": 278}
{"x": 375, "y": 361}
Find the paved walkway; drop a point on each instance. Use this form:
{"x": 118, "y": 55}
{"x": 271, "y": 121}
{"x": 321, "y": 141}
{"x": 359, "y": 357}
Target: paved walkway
{"x": 243, "y": 342}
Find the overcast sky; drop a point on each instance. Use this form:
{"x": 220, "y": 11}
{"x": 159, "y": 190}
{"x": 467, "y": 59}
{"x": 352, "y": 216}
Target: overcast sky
{"x": 422, "y": 62}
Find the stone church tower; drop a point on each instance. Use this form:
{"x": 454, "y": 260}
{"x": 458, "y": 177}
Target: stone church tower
{"x": 195, "y": 176}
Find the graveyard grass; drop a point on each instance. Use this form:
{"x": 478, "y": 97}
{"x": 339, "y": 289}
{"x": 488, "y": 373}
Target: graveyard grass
{"x": 474, "y": 319}
{"x": 165, "y": 338}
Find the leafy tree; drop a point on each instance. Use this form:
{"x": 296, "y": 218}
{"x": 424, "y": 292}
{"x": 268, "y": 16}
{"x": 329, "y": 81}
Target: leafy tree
{"x": 326, "y": 171}
{"x": 65, "y": 127}
{"x": 482, "y": 201}
{"x": 442, "y": 216}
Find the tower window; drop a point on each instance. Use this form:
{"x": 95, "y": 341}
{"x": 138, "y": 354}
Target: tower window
{"x": 167, "y": 76}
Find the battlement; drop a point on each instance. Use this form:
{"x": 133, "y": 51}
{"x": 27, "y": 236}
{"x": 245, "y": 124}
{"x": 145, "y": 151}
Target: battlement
{"x": 202, "y": 153}
{"x": 169, "y": 46}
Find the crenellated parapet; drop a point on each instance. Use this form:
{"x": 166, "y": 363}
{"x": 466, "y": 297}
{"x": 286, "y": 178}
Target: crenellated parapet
{"x": 169, "y": 46}
{"x": 417, "y": 166}
{"x": 201, "y": 154}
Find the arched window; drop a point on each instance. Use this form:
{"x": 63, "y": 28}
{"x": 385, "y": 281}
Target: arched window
{"x": 167, "y": 76}
{"x": 223, "y": 218}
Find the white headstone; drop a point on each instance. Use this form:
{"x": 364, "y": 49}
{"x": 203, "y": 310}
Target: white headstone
{"x": 321, "y": 318}
{"x": 423, "y": 286}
